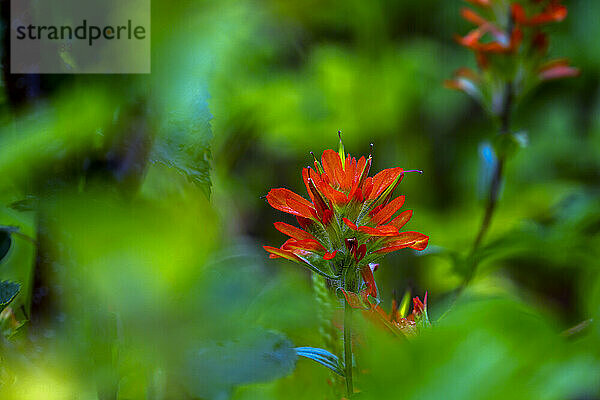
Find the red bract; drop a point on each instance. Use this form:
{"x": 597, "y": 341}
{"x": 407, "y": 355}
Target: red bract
{"x": 552, "y": 13}
{"x": 350, "y": 221}
{"x": 557, "y": 69}
{"x": 361, "y": 299}
{"x": 398, "y": 322}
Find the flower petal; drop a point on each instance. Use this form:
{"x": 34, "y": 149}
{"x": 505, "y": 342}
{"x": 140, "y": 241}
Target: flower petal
{"x": 329, "y": 256}
{"x": 471, "y": 39}
{"x": 327, "y": 216}
{"x": 307, "y": 245}
{"x": 304, "y": 223}
{"x": 287, "y": 201}
{"x": 305, "y": 176}
{"x": 332, "y": 164}
{"x": 552, "y": 13}
{"x": 367, "y": 275}
{"x": 360, "y": 252}
{"x": 383, "y": 180}
{"x": 360, "y": 166}
{"x": 414, "y": 240}
{"x": 387, "y": 212}
{"x": 557, "y": 69}
{"x": 382, "y": 230}
{"x": 367, "y": 187}
{"x": 350, "y": 224}
{"x": 349, "y": 172}
{"x": 322, "y": 184}
{"x": 472, "y": 16}
{"x": 401, "y": 219}
{"x": 293, "y": 232}
{"x": 280, "y": 253}
{"x": 303, "y": 208}
{"x": 419, "y": 306}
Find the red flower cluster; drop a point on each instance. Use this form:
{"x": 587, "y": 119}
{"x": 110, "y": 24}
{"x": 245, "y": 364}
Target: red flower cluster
{"x": 509, "y": 41}
{"x": 400, "y": 323}
{"x": 350, "y": 220}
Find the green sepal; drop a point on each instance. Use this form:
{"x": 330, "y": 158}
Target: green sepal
{"x": 404, "y": 305}
{"x": 317, "y": 164}
{"x": 341, "y": 151}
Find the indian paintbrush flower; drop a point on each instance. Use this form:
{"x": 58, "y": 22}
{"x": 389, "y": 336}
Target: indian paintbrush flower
{"x": 510, "y": 45}
{"x": 399, "y": 322}
{"x": 348, "y": 224}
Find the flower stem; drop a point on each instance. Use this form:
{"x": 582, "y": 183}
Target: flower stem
{"x": 471, "y": 261}
{"x": 498, "y": 170}
{"x": 491, "y": 203}
{"x": 348, "y": 348}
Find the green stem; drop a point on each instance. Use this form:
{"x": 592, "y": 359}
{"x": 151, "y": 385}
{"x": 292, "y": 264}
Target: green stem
{"x": 348, "y": 348}
{"x": 495, "y": 184}
{"x": 498, "y": 170}
{"x": 505, "y": 117}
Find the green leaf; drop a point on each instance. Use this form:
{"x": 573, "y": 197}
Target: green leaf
{"x": 183, "y": 133}
{"x": 184, "y": 144}
{"x": 25, "y": 204}
{"x": 8, "y": 291}
{"x": 212, "y": 370}
{"x": 5, "y": 243}
{"x": 323, "y": 357}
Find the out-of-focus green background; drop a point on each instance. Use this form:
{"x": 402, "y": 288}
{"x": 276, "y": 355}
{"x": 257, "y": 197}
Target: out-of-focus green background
{"x": 143, "y": 196}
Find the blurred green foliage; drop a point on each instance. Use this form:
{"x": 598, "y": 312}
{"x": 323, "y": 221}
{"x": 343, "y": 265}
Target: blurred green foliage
{"x": 136, "y": 284}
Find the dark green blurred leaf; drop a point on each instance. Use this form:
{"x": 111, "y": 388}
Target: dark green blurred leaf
{"x": 183, "y": 144}
{"x": 8, "y": 291}
{"x": 214, "y": 369}
{"x": 5, "y": 242}
{"x": 26, "y": 204}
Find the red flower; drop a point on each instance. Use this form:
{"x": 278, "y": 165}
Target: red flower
{"x": 350, "y": 220}
{"x": 399, "y": 323}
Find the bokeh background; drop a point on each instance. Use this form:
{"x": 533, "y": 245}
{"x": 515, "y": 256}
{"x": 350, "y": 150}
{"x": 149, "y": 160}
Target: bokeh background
{"x": 139, "y": 204}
